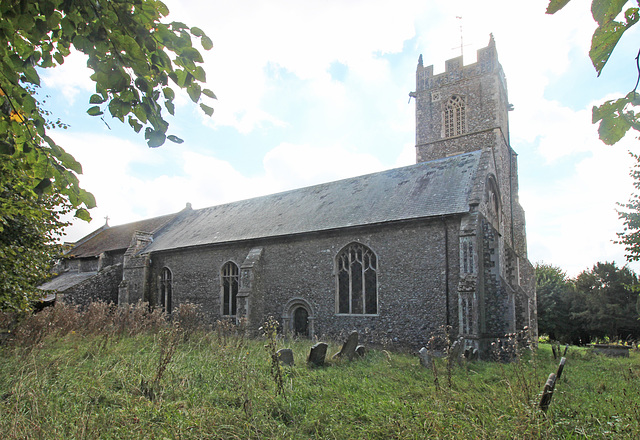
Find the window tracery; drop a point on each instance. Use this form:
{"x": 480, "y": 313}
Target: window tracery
{"x": 229, "y": 280}
{"x": 357, "y": 280}
{"x": 454, "y": 117}
{"x": 166, "y": 290}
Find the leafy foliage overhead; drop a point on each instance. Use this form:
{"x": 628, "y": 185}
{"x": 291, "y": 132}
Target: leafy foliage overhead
{"x": 137, "y": 61}
{"x": 616, "y": 117}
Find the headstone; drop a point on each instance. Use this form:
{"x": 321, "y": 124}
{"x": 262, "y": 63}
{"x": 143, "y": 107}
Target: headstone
{"x": 560, "y": 368}
{"x": 547, "y": 392}
{"x": 317, "y": 354}
{"x": 285, "y": 356}
{"x": 425, "y": 357}
{"x": 349, "y": 348}
{"x": 361, "y": 351}
{"x": 475, "y": 354}
{"x": 456, "y": 349}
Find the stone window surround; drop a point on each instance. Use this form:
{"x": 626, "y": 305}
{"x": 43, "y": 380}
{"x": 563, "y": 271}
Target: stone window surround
{"x": 337, "y": 281}
{"x": 234, "y": 276}
{"x": 165, "y": 289}
{"x": 454, "y": 121}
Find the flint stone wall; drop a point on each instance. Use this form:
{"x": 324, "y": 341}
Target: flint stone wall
{"x": 411, "y": 279}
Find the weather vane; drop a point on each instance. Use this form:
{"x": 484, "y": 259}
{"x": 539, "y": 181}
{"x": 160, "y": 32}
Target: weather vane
{"x": 461, "y": 36}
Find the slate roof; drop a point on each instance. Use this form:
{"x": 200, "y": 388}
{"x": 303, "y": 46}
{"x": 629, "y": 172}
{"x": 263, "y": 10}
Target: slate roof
{"x": 66, "y": 280}
{"x": 427, "y": 189}
{"x": 115, "y": 237}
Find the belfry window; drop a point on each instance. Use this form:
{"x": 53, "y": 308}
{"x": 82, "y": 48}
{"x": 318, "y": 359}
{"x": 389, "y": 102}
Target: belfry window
{"x": 229, "y": 288}
{"x": 166, "y": 290}
{"x": 357, "y": 280}
{"x": 454, "y": 116}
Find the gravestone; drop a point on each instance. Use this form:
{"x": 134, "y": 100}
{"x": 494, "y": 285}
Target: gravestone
{"x": 361, "y": 351}
{"x": 547, "y": 392}
{"x": 285, "y": 356}
{"x": 317, "y": 354}
{"x": 456, "y": 350}
{"x": 425, "y": 357}
{"x": 349, "y": 348}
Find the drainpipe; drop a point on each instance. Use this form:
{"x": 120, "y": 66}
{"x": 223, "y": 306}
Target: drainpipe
{"x": 446, "y": 269}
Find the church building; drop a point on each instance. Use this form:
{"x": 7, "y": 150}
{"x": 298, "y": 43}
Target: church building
{"x": 396, "y": 255}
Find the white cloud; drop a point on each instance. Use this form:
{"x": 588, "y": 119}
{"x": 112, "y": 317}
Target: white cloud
{"x": 70, "y": 78}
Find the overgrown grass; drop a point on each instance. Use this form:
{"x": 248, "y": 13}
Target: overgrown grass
{"x": 218, "y": 384}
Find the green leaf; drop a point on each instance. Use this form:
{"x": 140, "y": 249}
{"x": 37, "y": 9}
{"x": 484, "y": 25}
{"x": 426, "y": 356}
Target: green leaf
{"x": 194, "y": 91}
{"x": 606, "y": 10}
{"x": 83, "y": 214}
{"x": 135, "y": 124}
{"x": 606, "y": 37}
{"x": 6, "y": 148}
{"x": 207, "y": 44}
{"x": 68, "y": 161}
{"x": 170, "y": 107}
{"x": 96, "y": 99}
{"x": 205, "y": 108}
{"x": 175, "y": 139}
{"x": 162, "y": 9}
{"x": 87, "y": 198}
{"x": 155, "y": 138}
{"x": 31, "y": 75}
{"x": 95, "y": 110}
{"x": 200, "y": 74}
{"x": 556, "y": 5}
{"x": 42, "y": 186}
{"x": 169, "y": 93}
{"x": 197, "y": 31}
{"x": 209, "y": 93}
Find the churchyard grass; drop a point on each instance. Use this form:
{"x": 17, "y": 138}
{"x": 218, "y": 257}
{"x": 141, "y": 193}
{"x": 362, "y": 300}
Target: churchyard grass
{"x": 220, "y": 385}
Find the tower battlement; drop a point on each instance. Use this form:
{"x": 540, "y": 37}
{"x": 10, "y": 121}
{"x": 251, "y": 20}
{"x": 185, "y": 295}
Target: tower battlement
{"x": 456, "y": 109}
{"x": 455, "y": 70}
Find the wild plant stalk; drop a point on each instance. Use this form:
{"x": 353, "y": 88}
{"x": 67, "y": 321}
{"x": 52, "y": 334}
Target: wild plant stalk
{"x": 270, "y": 331}
{"x": 168, "y": 341}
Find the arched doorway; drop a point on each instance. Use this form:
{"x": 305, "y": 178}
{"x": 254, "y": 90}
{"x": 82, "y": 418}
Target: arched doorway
{"x": 301, "y": 322}
{"x": 298, "y": 318}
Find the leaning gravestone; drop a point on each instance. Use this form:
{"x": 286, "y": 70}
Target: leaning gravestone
{"x": 425, "y": 357}
{"x": 349, "y": 348}
{"x": 317, "y": 354}
{"x": 361, "y": 351}
{"x": 285, "y": 356}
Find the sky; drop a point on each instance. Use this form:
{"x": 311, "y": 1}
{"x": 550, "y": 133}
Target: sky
{"x": 315, "y": 91}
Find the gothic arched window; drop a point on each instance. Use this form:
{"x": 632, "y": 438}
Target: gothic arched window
{"x": 166, "y": 290}
{"x": 357, "y": 280}
{"x": 454, "y": 116}
{"x": 229, "y": 288}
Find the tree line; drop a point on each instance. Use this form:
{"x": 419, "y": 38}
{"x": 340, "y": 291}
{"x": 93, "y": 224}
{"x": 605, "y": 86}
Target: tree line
{"x": 599, "y": 304}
